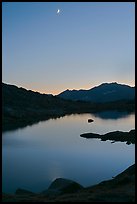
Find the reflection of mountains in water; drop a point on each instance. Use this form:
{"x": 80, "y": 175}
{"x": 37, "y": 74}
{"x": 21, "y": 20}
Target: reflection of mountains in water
{"x": 111, "y": 115}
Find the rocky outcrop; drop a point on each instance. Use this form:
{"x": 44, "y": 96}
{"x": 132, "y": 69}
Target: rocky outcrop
{"x": 128, "y": 137}
{"x": 61, "y": 186}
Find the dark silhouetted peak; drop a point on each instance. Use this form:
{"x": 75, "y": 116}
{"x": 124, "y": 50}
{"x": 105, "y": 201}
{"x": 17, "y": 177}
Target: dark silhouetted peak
{"x": 105, "y": 92}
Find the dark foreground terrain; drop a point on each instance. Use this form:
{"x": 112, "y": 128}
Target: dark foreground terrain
{"x": 120, "y": 188}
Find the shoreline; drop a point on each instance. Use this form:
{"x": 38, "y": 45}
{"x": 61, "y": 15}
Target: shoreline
{"x": 115, "y": 136}
{"x": 120, "y": 188}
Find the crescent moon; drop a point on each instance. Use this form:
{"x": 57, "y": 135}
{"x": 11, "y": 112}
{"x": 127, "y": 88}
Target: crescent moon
{"x": 58, "y": 11}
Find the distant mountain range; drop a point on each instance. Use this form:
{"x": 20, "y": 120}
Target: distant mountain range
{"x": 21, "y": 107}
{"x": 106, "y": 92}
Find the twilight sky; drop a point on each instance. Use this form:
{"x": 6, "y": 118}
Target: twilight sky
{"x": 86, "y": 44}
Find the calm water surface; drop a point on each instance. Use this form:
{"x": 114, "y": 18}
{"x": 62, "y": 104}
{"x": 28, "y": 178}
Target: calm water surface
{"x": 34, "y": 156}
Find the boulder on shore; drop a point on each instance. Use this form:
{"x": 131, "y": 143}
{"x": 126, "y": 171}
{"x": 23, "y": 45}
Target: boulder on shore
{"x": 61, "y": 186}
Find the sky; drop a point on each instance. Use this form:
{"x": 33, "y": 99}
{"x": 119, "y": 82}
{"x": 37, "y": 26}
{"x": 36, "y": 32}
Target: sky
{"x": 82, "y": 46}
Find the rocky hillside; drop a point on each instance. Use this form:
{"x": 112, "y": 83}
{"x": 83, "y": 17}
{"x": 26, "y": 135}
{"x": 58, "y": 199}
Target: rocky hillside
{"x": 25, "y": 106}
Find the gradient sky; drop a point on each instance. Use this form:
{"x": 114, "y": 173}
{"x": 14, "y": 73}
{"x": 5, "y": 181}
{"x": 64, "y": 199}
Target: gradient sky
{"x": 86, "y": 44}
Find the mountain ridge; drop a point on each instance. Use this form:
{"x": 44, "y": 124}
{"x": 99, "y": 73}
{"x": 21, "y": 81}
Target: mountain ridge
{"x": 105, "y": 92}
{"x": 104, "y": 83}
{"x": 21, "y": 107}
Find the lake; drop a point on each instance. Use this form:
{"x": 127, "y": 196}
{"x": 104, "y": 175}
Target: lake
{"x": 32, "y": 157}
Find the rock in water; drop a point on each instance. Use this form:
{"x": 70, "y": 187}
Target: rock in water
{"x": 90, "y": 120}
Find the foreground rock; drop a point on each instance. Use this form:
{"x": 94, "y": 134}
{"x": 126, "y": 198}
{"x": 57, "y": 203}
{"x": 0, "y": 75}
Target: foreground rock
{"x": 21, "y": 191}
{"x": 119, "y": 189}
{"x": 128, "y": 137}
{"x": 61, "y": 186}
